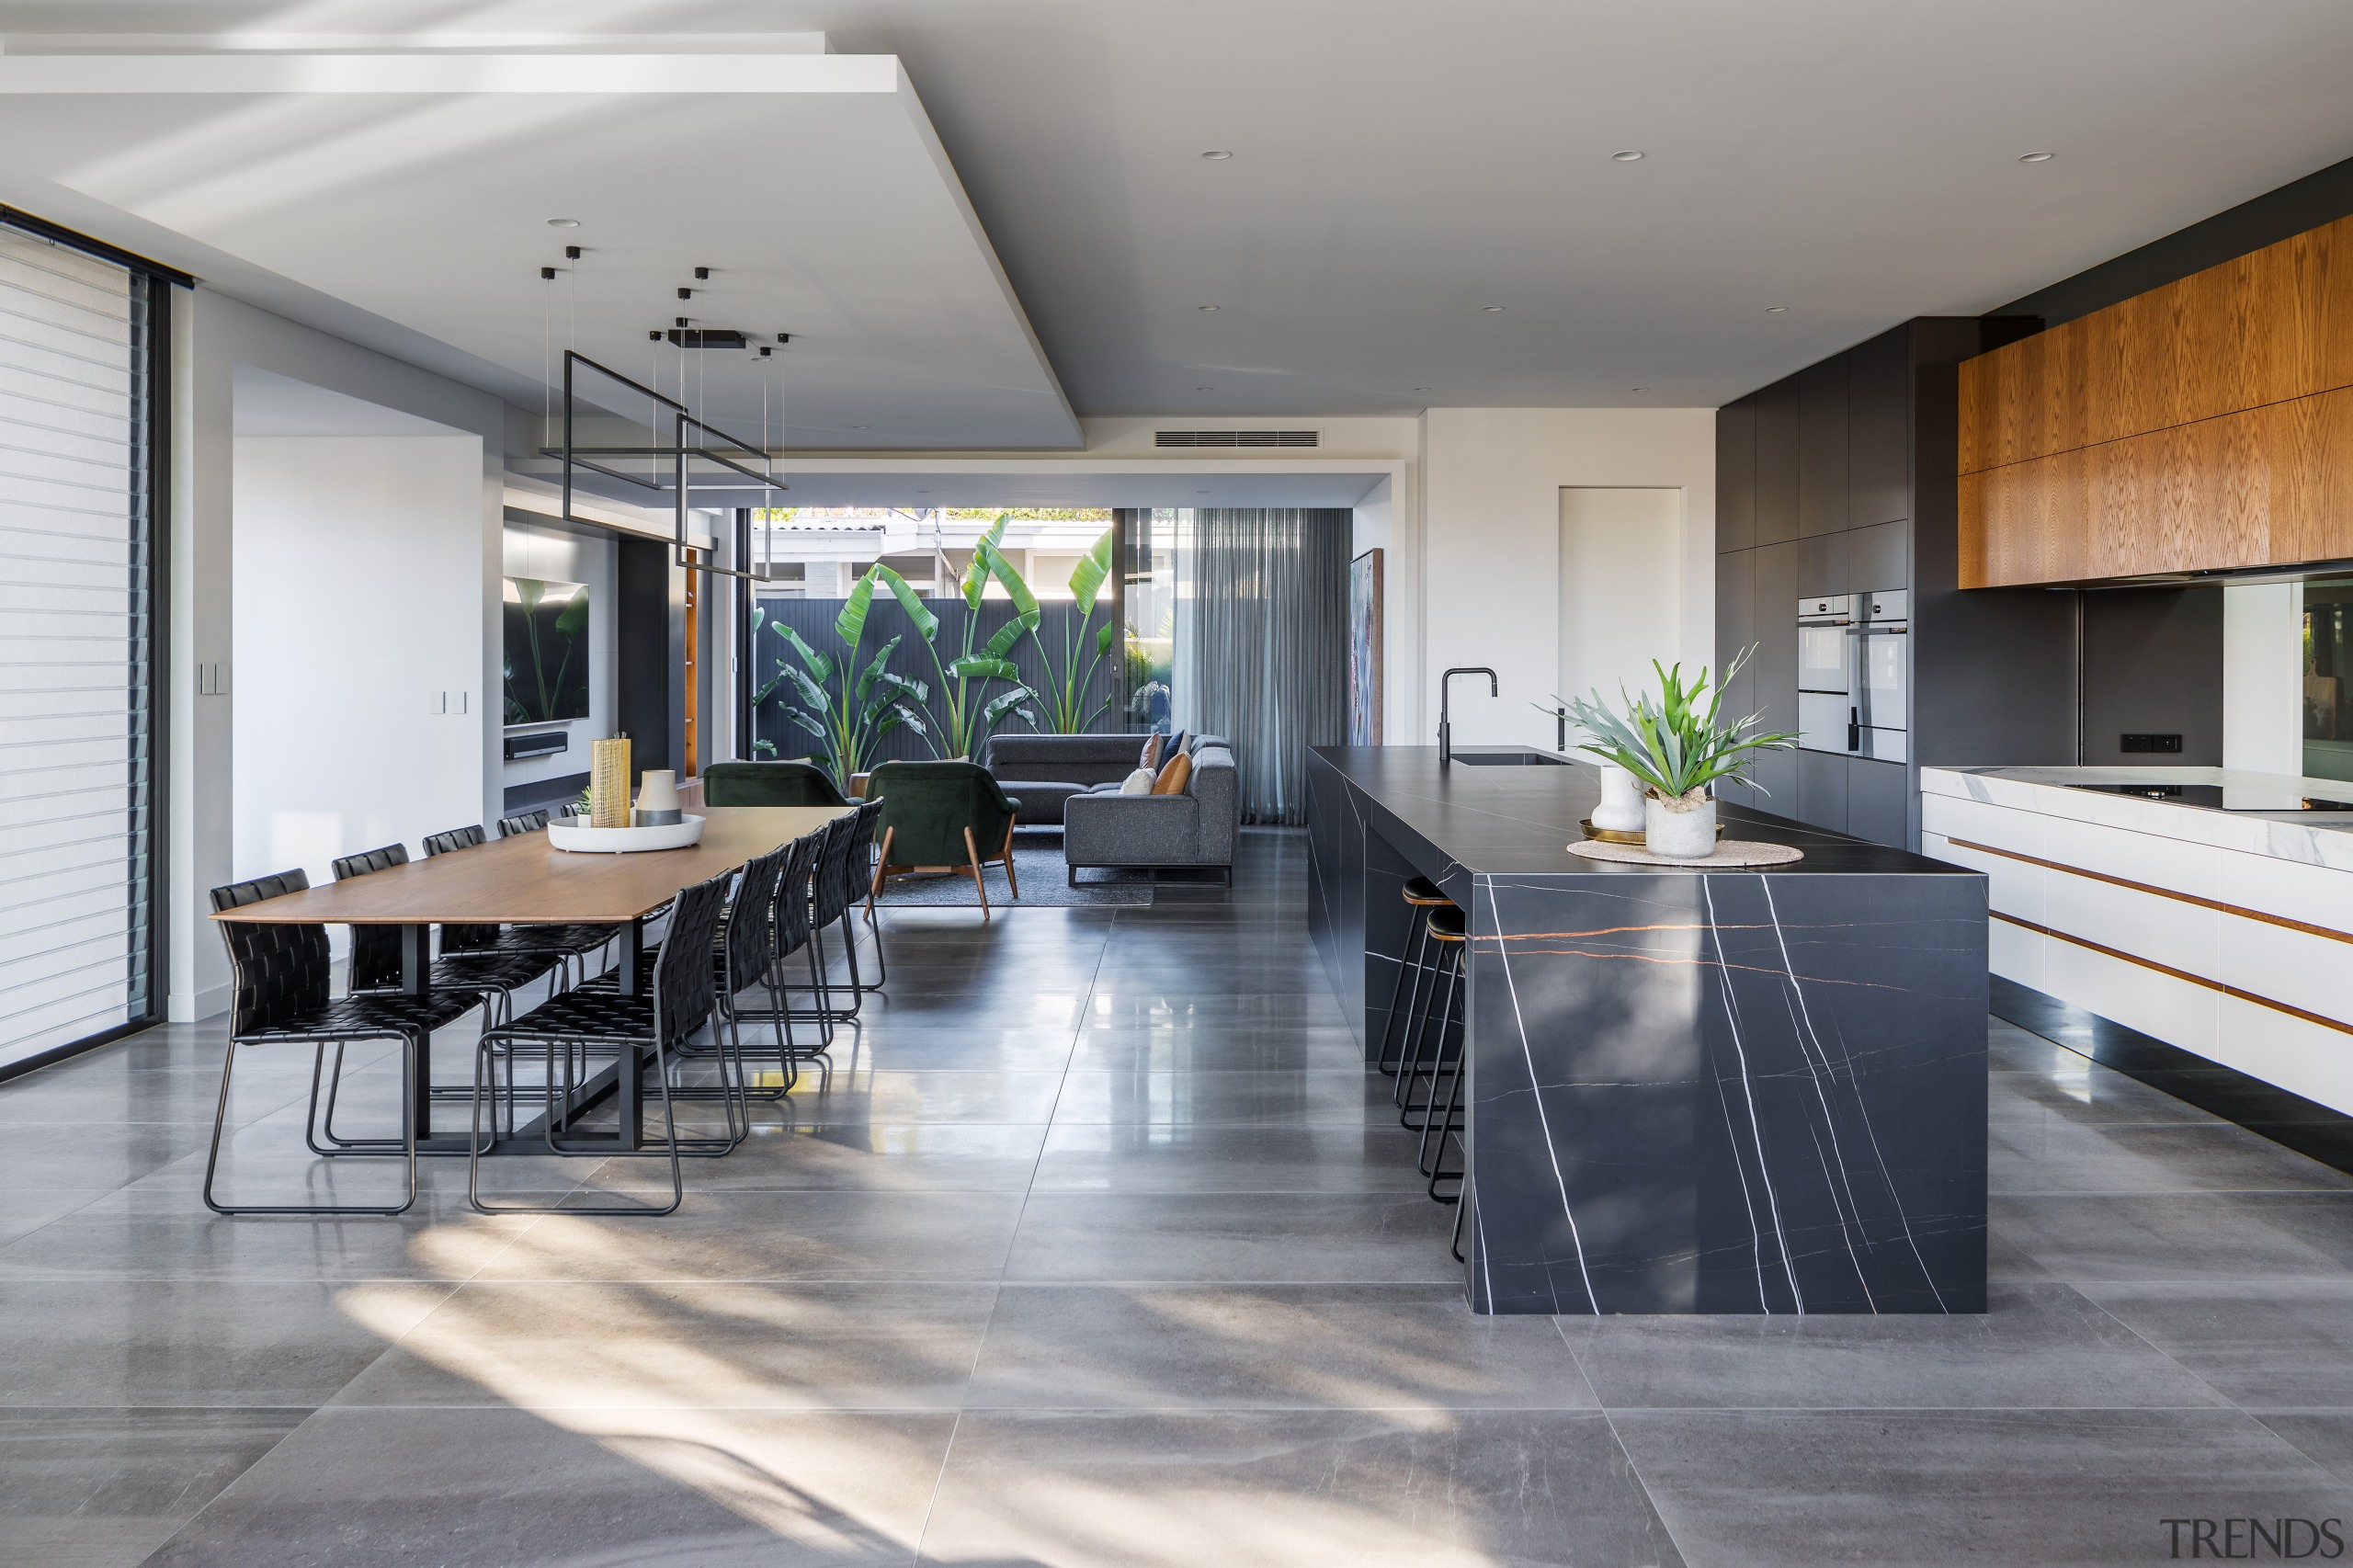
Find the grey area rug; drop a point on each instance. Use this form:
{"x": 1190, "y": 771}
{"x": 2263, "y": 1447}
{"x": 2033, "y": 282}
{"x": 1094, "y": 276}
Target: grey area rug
{"x": 1038, "y": 860}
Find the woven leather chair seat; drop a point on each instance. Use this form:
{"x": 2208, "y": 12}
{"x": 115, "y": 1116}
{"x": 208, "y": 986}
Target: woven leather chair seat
{"x": 376, "y": 1013}
{"x": 587, "y": 1014}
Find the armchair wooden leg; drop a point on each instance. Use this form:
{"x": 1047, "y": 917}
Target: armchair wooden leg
{"x": 881, "y": 868}
{"x": 973, "y": 858}
{"x": 1011, "y": 880}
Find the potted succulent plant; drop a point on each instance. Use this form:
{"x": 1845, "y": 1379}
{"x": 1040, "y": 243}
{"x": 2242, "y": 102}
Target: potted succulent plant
{"x": 1676, "y": 747}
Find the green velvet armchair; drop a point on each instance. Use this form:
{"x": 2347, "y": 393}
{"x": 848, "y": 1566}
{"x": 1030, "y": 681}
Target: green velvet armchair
{"x": 768, "y": 784}
{"x": 944, "y": 816}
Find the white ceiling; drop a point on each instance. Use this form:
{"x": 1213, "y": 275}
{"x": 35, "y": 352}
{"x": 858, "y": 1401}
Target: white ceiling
{"x": 416, "y": 189}
{"x": 1398, "y": 166}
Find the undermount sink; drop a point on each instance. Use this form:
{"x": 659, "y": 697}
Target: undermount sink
{"x": 1508, "y": 760}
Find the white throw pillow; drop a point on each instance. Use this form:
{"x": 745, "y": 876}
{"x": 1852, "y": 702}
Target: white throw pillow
{"x": 1138, "y": 783}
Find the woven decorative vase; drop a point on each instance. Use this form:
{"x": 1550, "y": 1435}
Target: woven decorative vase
{"x": 609, "y": 782}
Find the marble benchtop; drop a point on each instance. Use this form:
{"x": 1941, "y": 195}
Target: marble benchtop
{"x": 2047, "y": 791}
{"x": 1520, "y": 821}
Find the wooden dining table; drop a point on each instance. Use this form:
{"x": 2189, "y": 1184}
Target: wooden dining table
{"x": 524, "y": 880}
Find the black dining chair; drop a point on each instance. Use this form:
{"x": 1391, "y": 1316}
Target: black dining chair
{"x": 374, "y": 969}
{"x": 658, "y": 1018}
{"x": 793, "y": 935}
{"x": 857, "y": 889}
{"x": 830, "y": 900}
{"x": 281, "y": 978}
{"x": 575, "y": 944}
{"x": 521, "y": 822}
{"x": 744, "y": 955}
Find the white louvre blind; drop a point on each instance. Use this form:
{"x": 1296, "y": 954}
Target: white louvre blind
{"x": 75, "y": 628}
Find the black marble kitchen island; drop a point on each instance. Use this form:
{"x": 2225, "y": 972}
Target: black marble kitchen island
{"x": 1730, "y": 1091}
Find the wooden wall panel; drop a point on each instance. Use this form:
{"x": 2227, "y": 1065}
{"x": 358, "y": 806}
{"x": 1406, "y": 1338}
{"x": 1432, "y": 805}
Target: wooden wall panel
{"x": 2310, "y": 442}
{"x": 2203, "y": 425}
{"x": 2273, "y": 325}
{"x": 1979, "y": 384}
{"x": 2266, "y": 486}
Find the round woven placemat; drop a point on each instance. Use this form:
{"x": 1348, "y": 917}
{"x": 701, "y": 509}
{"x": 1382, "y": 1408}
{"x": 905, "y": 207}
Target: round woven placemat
{"x": 1729, "y": 852}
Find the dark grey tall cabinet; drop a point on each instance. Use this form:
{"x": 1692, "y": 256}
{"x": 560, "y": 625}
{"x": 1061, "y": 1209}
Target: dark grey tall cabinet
{"x": 1840, "y": 480}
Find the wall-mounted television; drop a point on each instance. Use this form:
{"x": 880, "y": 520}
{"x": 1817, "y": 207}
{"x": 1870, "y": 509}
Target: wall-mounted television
{"x": 546, "y": 651}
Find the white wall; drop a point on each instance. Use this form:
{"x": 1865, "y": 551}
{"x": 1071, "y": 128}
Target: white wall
{"x": 358, "y": 645}
{"x": 1622, "y": 588}
{"x": 560, "y": 555}
{"x": 212, "y": 336}
{"x": 2263, "y": 678}
{"x": 1490, "y": 551}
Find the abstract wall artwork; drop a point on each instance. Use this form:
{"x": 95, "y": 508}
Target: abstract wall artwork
{"x": 1364, "y": 649}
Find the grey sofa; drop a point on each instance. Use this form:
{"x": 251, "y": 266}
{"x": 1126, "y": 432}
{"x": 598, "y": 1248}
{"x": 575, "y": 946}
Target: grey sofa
{"x": 1046, "y": 770}
{"x": 1104, "y": 828}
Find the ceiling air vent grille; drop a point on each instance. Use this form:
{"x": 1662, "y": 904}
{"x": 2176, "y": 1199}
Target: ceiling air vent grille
{"x": 1234, "y": 438}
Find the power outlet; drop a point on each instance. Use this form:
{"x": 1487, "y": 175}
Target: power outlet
{"x": 2146, "y": 743}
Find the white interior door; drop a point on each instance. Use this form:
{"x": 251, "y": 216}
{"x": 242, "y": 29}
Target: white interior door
{"x": 1621, "y": 588}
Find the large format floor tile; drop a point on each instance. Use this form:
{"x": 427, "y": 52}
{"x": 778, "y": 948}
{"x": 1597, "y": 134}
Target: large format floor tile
{"x": 1267, "y": 1347}
{"x": 103, "y": 1488}
{"x": 93, "y": 1343}
{"x": 1761, "y": 1489}
{"x": 2036, "y": 1346}
{"x": 362, "y": 1487}
{"x": 1241, "y": 1238}
{"x": 1417, "y": 1488}
{"x": 785, "y": 1236}
{"x": 671, "y": 1345}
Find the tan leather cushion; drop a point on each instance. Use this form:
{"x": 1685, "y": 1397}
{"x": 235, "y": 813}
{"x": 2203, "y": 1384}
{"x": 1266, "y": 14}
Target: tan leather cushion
{"x": 1151, "y": 757}
{"x": 1172, "y": 778}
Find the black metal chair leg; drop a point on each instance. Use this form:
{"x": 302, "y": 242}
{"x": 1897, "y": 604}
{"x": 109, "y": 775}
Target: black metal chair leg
{"x": 407, "y": 1141}
{"x": 1412, "y": 962}
{"x": 1439, "y": 1060}
{"x": 1431, "y": 1162}
{"x": 1410, "y": 1072}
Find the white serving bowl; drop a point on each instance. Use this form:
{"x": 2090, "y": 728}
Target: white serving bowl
{"x": 564, "y": 833}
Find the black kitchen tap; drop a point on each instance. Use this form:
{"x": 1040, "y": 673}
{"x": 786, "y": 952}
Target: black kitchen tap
{"x": 1446, "y": 724}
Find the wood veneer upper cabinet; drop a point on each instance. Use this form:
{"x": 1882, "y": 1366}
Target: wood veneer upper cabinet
{"x": 2265, "y": 486}
{"x": 2261, "y": 328}
{"x": 2197, "y": 426}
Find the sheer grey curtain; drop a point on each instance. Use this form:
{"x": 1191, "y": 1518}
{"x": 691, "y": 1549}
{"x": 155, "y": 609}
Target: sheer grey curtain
{"x": 1261, "y": 643}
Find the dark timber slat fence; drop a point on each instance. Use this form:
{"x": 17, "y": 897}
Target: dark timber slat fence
{"x": 814, "y": 619}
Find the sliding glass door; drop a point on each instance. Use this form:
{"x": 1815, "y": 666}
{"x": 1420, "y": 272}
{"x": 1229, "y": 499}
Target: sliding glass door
{"x": 79, "y": 576}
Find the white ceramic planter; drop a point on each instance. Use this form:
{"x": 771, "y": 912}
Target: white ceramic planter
{"x": 1686, "y": 835}
{"x": 1621, "y": 802}
{"x": 564, "y": 832}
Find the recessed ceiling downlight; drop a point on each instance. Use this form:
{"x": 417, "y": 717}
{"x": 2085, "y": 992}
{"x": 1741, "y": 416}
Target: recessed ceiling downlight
{"x": 564, "y": 223}
{"x": 1217, "y": 154}
{"x": 1491, "y": 310}
{"x": 2036, "y": 157}
{"x": 1776, "y": 310}
{"x": 1628, "y": 156}
{"x": 1204, "y": 307}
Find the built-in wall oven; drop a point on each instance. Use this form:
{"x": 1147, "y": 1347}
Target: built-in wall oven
{"x": 1854, "y": 674}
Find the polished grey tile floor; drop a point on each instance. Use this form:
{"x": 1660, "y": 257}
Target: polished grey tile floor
{"x": 1101, "y": 1248}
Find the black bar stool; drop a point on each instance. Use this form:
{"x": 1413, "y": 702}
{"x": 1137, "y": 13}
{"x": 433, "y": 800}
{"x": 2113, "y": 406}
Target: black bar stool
{"x": 1422, "y": 896}
{"x": 1445, "y": 928}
